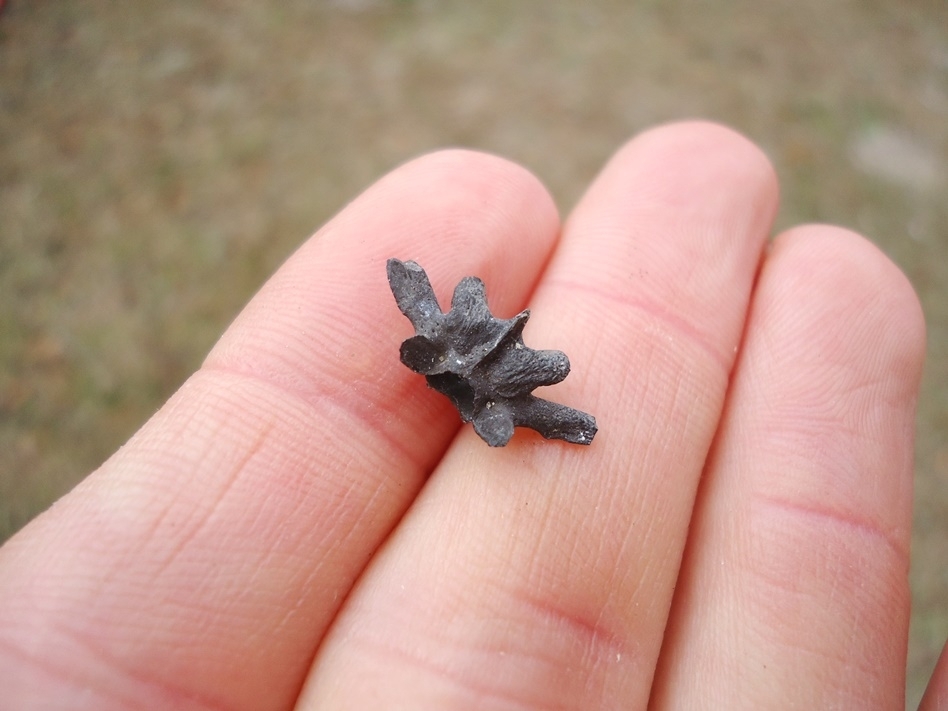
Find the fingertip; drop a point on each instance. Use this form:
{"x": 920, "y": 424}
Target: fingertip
{"x": 459, "y": 183}
{"x": 709, "y": 137}
{"x": 456, "y": 212}
{"x": 475, "y": 172}
{"x": 833, "y": 267}
{"x": 724, "y": 152}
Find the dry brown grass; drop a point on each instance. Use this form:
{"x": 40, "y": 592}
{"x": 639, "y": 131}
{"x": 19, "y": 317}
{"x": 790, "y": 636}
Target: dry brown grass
{"x": 159, "y": 159}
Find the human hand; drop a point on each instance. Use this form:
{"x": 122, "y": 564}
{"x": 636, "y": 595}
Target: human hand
{"x": 303, "y": 523}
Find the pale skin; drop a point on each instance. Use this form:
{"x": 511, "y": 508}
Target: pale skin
{"x": 306, "y": 525}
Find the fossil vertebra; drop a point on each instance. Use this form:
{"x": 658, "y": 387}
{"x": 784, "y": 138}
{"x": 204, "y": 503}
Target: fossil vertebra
{"x": 480, "y": 361}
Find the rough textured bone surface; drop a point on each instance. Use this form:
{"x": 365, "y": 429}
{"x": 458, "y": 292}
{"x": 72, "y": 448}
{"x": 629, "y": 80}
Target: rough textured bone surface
{"x": 480, "y": 362}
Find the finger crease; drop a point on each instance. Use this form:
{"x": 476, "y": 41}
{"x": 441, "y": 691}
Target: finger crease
{"x": 363, "y": 410}
{"x": 826, "y": 515}
{"x": 667, "y": 316}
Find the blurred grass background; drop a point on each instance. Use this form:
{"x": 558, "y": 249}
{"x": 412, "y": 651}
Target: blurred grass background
{"x": 159, "y": 159}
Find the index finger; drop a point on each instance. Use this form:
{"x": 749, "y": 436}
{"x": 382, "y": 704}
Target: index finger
{"x": 201, "y": 565}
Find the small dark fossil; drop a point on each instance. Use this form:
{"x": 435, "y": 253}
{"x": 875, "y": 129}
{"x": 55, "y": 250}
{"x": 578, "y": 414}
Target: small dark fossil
{"x": 480, "y": 362}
